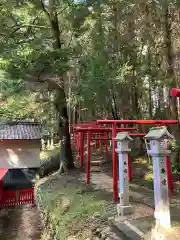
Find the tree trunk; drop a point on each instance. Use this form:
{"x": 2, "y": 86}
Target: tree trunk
{"x": 150, "y": 101}
{"x": 63, "y": 124}
{"x": 60, "y": 101}
{"x": 169, "y": 57}
{"x": 170, "y": 73}
{"x": 149, "y": 60}
{"x": 133, "y": 78}
{"x": 76, "y": 116}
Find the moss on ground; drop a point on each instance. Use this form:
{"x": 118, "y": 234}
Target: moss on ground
{"x": 67, "y": 205}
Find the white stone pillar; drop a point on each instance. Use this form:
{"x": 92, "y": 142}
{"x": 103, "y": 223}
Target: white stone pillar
{"x": 158, "y": 152}
{"x": 161, "y": 197}
{"x": 123, "y": 149}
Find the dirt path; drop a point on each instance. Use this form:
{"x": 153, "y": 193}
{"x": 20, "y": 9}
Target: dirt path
{"x": 20, "y": 223}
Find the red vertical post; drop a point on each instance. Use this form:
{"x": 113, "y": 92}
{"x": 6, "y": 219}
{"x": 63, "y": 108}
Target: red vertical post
{"x": 106, "y": 146}
{"x": 75, "y": 139}
{"x": 88, "y": 163}
{"x": 33, "y": 196}
{"x": 169, "y": 175}
{"x": 129, "y": 168}
{"x": 78, "y": 146}
{"x": 115, "y": 166}
{"x": 93, "y": 135}
{"x": 100, "y": 142}
{"x": 73, "y": 135}
{"x": 82, "y": 150}
{"x": 168, "y": 169}
{"x": 96, "y": 141}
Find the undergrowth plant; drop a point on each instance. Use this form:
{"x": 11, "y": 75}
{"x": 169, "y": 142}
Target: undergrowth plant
{"x": 174, "y": 146}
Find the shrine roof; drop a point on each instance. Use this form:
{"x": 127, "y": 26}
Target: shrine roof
{"x": 20, "y": 130}
{"x": 158, "y": 133}
{"x": 123, "y": 136}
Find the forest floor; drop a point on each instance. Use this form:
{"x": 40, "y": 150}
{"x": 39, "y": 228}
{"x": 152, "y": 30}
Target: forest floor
{"x": 77, "y": 211}
{"x": 20, "y": 223}
{"x": 141, "y": 190}
{"x": 142, "y": 174}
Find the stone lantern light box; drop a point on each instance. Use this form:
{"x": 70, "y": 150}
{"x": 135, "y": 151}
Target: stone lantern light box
{"x": 123, "y": 140}
{"x": 156, "y": 136}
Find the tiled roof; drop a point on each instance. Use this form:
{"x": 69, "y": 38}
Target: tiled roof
{"x": 20, "y": 130}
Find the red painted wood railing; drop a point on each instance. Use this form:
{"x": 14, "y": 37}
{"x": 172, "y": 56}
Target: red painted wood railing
{"x": 16, "y": 197}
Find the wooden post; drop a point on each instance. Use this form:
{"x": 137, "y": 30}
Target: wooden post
{"x": 81, "y": 149}
{"x": 88, "y": 163}
{"x": 114, "y": 162}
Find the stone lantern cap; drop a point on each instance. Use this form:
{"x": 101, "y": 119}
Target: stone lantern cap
{"x": 158, "y": 133}
{"x": 123, "y": 136}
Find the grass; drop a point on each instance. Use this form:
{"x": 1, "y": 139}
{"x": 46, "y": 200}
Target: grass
{"x": 70, "y": 204}
{"x": 48, "y": 153}
{"x": 147, "y": 171}
{"x": 141, "y": 160}
{"x": 148, "y": 177}
{"x": 49, "y": 161}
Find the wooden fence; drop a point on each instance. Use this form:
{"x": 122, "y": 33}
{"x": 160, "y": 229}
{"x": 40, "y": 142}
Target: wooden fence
{"x": 16, "y": 197}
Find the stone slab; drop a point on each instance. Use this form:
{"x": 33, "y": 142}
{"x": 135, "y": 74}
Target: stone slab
{"x": 97, "y": 162}
{"x": 135, "y": 229}
{"x": 144, "y": 224}
{"x": 123, "y": 228}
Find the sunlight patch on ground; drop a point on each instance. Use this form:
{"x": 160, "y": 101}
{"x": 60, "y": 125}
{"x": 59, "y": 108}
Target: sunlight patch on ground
{"x": 141, "y": 160}
{"x": 46, "y": 154}
{"x": 148, "y": 176}
{"x": 150, "y": 167}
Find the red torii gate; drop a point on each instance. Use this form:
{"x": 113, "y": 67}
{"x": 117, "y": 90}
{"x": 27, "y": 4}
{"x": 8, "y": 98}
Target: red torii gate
{"x": 89, "y": 131}
{"x": 114, "y": 131}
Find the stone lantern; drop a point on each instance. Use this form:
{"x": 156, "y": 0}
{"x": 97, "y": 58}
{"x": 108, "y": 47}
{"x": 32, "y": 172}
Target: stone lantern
{"x": 123, "y": 140}
{"x": 157, "y": 137}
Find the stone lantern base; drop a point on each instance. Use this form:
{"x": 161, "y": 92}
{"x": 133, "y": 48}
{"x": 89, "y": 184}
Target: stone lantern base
{"x": 124, "y": 210}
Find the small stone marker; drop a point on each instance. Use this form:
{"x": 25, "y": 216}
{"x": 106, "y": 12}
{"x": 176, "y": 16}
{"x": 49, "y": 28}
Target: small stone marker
{"x": 158, "y": 151}
{"x": 123, "y": 149}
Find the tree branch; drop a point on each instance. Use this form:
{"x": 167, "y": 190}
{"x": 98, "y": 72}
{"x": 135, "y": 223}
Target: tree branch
{"x": 44, "y": 9}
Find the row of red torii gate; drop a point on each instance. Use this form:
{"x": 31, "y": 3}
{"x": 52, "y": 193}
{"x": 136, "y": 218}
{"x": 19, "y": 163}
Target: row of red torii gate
{"x": 20, "y": 144}
{"x": 158, "y": 137}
